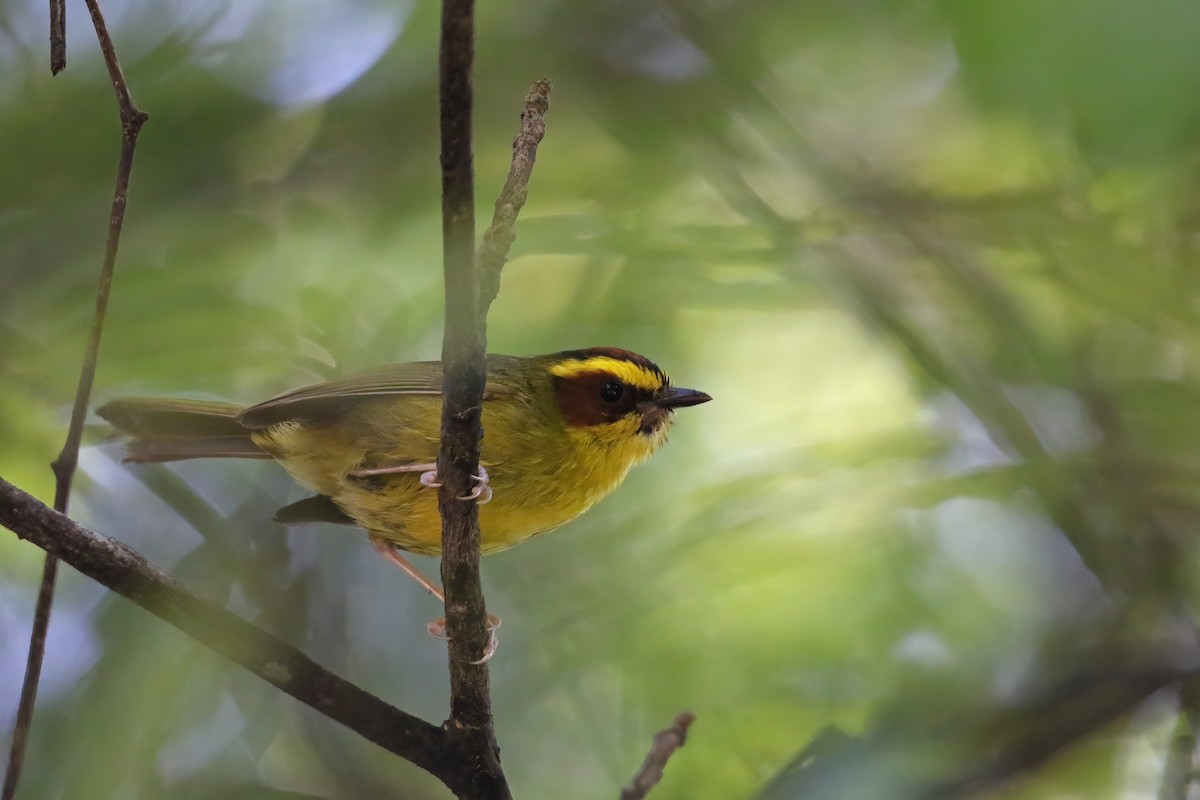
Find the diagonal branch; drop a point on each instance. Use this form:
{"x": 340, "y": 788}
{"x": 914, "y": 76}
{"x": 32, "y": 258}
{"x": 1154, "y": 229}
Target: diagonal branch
{"x": 126, "y": 572}
{"x": 132, "y": 119}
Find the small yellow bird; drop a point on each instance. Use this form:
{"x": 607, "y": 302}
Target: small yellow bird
{"x": 561, "y": 431}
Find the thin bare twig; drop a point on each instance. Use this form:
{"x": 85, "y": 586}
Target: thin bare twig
{"x": 498, "y": 238}
{"x": 125, "y": 571}
{"x": 666, "y": 742}
{"x": 33, "y": 675}
{"x": 132, "y": 119}
{"x": 58, "y": 36}
{"x": 1179, "y": 771}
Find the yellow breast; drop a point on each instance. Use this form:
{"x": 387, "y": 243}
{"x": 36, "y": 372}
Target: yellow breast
{"x": 542, "y": 475}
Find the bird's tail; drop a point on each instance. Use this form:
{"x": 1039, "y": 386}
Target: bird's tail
{"x": 174, "y": 430}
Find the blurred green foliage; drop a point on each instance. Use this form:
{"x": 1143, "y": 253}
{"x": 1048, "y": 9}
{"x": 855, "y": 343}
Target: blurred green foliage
{"x": 935, "y": 260}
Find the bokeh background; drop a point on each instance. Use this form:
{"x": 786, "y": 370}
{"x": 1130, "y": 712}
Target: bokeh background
{"x": 936, "y": 260}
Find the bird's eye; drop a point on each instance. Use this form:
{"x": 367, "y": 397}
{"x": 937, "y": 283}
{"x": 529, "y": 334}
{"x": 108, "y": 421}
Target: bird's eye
{"x": 612, "y": 391}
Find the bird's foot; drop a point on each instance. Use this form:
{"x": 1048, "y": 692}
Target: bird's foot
{"x": 437, "y": 629}
{"x": 429, "y": 478}
{"x": 481, "y": 493}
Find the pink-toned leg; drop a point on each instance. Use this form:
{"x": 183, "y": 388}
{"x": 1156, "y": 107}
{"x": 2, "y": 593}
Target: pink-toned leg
{"x": 437, "y": 628}
{"x": 388, "y": 551}
{"x": 429, "y": 478}
{"x": 362, "y": 473}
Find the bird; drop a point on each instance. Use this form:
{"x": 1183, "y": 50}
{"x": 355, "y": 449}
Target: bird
{"x": 561, "y": 431}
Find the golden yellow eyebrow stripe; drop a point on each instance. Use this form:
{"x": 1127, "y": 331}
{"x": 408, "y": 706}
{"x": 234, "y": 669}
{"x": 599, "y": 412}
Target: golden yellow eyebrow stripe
{"x": 625, "y": 371}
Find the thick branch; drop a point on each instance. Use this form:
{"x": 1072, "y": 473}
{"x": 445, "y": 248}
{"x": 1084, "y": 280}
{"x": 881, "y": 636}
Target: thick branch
{"x": 464, "y": 367}
{"x": 64, "y": 465}
{"x": 126, "y": 572}
{"x": 666, "y": 742}
{"x": 463, "y": 361}
{"x": 499, "y": 236}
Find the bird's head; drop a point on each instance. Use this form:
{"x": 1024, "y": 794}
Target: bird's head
{"x": 617, "y": 398}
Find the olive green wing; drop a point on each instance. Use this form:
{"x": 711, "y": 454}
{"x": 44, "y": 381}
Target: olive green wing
{"x": 322, "y": 400}
{"x": 325, "y": 399}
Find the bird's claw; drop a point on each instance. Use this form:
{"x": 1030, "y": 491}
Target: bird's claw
{"x": 437, "y": 629}
{"x": 482, "y": 492}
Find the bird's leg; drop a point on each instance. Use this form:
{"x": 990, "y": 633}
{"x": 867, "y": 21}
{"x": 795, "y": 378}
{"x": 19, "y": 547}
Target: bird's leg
{"x": 432, "y": 469}
{"x": 436, "y": 628}
{"x": 429, "y": 478}
{"x": 389, "y": 552}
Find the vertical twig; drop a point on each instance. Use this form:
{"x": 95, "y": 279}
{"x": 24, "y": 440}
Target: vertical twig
{"x": 463, "y": 362}
{"x": 463, "y": 358}
{"x": 58, "y": 36}
{"x": 64, "y": 465}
